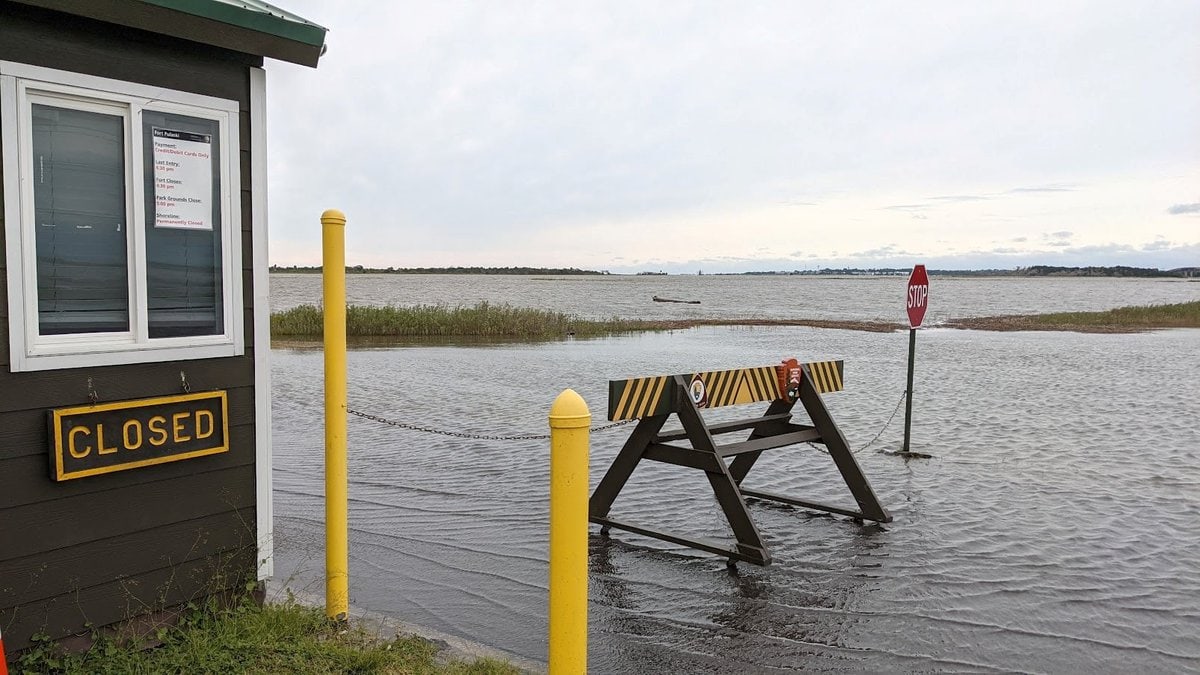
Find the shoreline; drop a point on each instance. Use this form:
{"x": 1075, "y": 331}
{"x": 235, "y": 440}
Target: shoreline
{"x": 998, "y": 324}
{"x": 1014, "y": 323}
{"x": 484, "y": 322}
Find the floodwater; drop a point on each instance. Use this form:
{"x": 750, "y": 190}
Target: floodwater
{"x": 750, "y": 296}
{"x": 1055, "y": 529}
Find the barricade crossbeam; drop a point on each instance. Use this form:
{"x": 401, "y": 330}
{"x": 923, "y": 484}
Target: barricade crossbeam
{"x": 652, "y": 400}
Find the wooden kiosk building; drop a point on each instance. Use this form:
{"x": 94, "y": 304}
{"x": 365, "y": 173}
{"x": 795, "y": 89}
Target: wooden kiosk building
{"x": 135, "y": 451}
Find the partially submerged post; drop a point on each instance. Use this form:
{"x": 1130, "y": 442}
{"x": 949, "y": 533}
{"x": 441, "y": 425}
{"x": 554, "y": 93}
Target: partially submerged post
{"x": 569, "y": 431}
{"x": 337, "y": 545}
{"x": 916, "y": 302}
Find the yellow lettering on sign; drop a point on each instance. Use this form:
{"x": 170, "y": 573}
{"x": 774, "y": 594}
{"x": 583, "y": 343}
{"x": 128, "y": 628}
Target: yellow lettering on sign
{"x": 157, "y": 429}
{"x": 132, "y": 441}
{"x": 177, "y": 427}
{"x": 87, "y": 449}
{"x": 100, "y": 442}
{"x": 202, "y": 432}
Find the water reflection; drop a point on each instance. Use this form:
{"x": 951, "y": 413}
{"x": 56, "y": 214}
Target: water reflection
{"x": 704, "y": 615}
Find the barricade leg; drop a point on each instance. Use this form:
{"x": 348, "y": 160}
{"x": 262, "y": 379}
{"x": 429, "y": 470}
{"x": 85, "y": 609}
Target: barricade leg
{"x": 624, "y": 464}
{"x": 839, "y": 450}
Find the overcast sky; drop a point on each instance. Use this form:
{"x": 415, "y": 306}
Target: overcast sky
{"x": 737, "y": 136}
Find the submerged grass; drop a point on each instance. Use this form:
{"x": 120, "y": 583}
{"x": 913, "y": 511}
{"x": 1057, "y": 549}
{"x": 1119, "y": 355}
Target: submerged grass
{"x": 249, "y": 638}
{"x": 482, "y": 320}
{"x": 1120, "y": 320}
{"x": 486, "y": 320}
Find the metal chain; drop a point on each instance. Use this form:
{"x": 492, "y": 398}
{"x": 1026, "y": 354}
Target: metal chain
{"x": 871, "y": 442}
{"x": 603, "y": 427}
{"x": 885, "y": 424}
{"x": 463, "y": 434}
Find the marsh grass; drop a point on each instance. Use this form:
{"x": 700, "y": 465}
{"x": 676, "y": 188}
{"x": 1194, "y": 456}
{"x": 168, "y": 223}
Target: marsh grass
{"x": 481, "y": 320}
{"x": 489, "y": 321}
{"x": 503, "y": 322}
{"x": 245, "y": 637}
{"x": 1120, "y": 320}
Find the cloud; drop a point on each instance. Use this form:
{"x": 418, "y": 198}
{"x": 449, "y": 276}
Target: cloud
{"x": 1041, "y": 188}
{"x": 1060, "y": 235}
{"x": 961, "y": 198}
{"x": 880, "y": 252}
{"x": 1020, "y": 240}
{"x": 1160, "y": 254}
{"x": 533, "y": 135}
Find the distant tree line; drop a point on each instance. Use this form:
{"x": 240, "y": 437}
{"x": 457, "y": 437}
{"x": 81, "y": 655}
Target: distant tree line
{"x": 1116, "y": 271}
{"x": 359, "y": 269}
{"x": 1031, "y": 271}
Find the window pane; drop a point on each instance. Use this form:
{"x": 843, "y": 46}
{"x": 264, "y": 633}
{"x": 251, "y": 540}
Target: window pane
{"x": 79, "y": 210}
{"x": 183, "y": 225}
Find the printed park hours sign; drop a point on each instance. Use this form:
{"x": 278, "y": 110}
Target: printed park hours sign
{"x": 183, "y": 165}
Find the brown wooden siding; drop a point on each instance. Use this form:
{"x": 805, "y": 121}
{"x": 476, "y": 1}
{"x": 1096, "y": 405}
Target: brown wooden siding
{"x": 36, "y": 579}
{"x": 102, "y": 549}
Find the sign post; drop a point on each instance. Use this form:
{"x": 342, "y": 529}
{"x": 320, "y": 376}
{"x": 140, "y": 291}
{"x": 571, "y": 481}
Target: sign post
{"x": 916, "y": 304}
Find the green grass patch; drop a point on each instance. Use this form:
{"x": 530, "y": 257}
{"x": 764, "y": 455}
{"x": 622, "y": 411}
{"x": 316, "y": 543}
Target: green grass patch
{"x": 481, "y": 320}
{"x": 1119, "y": 320}
{"x": 488, "y": 321}
{"x": 248, "y": 638}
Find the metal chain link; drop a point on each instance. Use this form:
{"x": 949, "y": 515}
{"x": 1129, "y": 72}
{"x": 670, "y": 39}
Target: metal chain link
{"x": 463, "y": 434}
{"x": 885, "y": 424}
{"x": 871, "y": 442}
{"x": 603, "y": 427}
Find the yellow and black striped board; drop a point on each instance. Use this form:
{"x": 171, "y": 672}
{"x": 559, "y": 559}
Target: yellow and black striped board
{"x": 640, "y": 397}
{"x": 719, "y": 388}
{"x": 826, "y": 375}
{"x": 648, "y": 396}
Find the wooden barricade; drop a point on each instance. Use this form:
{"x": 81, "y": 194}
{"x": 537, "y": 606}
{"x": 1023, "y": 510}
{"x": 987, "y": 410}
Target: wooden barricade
{"x": 652, "y": 400}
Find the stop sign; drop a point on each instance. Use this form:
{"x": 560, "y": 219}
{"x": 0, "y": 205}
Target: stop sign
{"x": 918, "y": 296}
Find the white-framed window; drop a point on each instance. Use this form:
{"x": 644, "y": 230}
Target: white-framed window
{"x": 121, "y": 220}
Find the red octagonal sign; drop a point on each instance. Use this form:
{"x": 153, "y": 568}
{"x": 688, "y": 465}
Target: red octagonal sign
{"x": 918, "y": 296}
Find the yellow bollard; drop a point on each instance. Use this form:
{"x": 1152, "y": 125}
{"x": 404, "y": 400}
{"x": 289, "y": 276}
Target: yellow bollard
{"x": 337, "y": 548}
{"x": 570, "y": 424}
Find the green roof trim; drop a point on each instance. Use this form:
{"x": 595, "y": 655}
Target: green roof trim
{"x": 247, "y": 26}
{"x": 252, "y": 15}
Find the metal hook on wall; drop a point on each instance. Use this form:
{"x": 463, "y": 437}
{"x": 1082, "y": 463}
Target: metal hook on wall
{"x": 187, "y": 388}
{"x": 93, "y": 396}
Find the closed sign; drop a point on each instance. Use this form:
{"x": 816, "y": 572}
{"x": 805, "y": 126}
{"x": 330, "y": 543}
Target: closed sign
{"x": 95, "y": 439}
